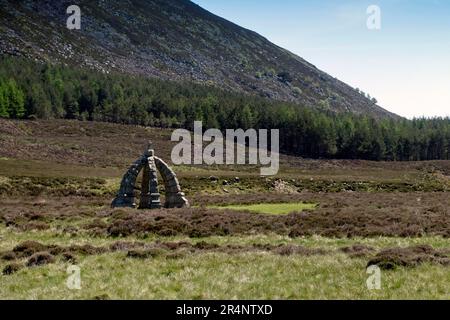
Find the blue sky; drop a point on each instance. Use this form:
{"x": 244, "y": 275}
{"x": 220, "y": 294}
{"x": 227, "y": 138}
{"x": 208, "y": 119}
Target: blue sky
{"x": 405, "y": 64}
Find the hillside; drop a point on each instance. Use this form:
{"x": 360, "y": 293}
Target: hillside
{"x": 175, "y": 40}
{"x": 98, "y": 149}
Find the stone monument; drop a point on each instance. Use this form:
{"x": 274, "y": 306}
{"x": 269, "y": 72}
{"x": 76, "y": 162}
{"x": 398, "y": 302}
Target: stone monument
{"x": 149, "y": 164}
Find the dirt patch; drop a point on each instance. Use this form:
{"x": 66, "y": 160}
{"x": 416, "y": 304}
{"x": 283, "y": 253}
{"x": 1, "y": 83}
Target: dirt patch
{"x": 96, "y": 227}
{"x": 288, "y": 250}
{"x": 358, "y": 251}
{"x": 28, "y": 248}
{"x": 70, "y": 230}
{"x": 35, "y": 225}
{"x": 104, "y": 296}
{"x": 125, "y": 245}
{"x": 69, "y": 257}
{"x": 8, "y": 256}
{"x": 40, "y": 254}
{"x": 173, "y": 250}
{"x": 389, "y": 259}
{"x": 203, "y": 245}
{"x": 40, "y": 258}
{"x": 145, "y": 253}
{"x": 86, "y": 249}
{"x": 11, "y": 268}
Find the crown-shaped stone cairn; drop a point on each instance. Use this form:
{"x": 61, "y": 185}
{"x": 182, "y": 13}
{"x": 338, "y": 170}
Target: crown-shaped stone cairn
{"x": 150, "y": 197}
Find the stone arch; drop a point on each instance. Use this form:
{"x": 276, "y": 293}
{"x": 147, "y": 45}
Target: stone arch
{"x": 125, "y": 197}
{"x": 174, "y": 197}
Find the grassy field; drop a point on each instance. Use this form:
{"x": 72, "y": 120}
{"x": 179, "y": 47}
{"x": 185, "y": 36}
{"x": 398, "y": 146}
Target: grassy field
{"x": 308, "y": 233}
{"x": 220, "y": 275}
{"x": 271, "y": 208}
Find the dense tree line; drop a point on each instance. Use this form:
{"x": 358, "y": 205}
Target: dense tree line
{"x": 33, "y": 90}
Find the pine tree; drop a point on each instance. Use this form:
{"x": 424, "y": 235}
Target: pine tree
{"x": 16, "y": 99}
{"x": 4, "y": 104}
{"x": 39, "y": 104}
{"x": 46, "y": 91}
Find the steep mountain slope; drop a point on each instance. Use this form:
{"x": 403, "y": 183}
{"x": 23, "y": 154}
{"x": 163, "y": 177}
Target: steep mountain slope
{"x": 171, "y": 39}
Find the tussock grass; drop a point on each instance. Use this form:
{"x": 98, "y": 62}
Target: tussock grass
{"x": 223, "y": 276}
{"x": 215, "y": 275}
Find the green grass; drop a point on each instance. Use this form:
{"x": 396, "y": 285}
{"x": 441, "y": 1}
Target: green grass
{"x": 271, "y": 208}
{"x": 222, "y": 276}
{"x": 255, "y": 275}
